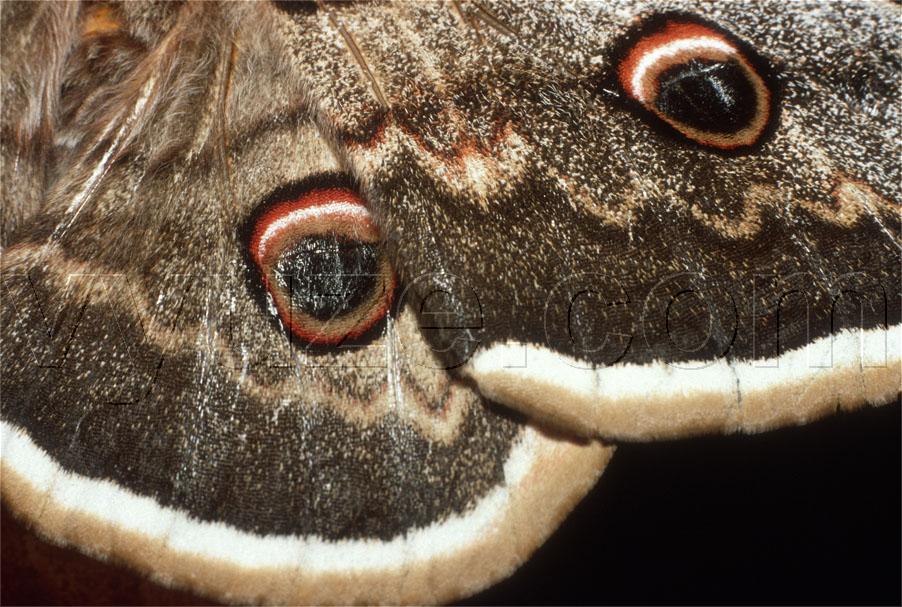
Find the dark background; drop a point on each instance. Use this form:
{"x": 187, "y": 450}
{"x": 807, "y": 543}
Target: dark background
{"x": 806, "y": 515}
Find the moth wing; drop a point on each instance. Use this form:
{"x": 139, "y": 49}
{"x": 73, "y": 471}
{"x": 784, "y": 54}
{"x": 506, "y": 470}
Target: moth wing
{"x": 154, "y": 410}
{"x": 591, "y": 260}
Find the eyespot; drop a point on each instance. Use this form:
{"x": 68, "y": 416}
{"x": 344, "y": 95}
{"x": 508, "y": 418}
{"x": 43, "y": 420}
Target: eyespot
{"x": 318, "y": 256}
{"x": 700, "y": 80}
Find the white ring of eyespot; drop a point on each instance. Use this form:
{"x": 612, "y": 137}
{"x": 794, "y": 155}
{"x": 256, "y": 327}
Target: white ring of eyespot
{"x": 350, "y": 209}
{"x": 669, "y": 50}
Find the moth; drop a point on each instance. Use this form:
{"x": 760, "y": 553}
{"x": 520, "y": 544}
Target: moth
{"x": 343, "y": 302}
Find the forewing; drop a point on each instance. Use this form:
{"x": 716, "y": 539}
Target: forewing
{"x": 588, "y": 263}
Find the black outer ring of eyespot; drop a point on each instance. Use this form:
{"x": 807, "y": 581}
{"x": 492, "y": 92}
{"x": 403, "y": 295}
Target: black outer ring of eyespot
{"x": 608, "y": 81}
{"x": 254, "y": 279}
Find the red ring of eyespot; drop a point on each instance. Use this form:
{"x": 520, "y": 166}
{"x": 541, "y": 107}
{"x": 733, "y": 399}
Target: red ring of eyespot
{"x": 674, "y": 31}
{"x": 334, "y": 208}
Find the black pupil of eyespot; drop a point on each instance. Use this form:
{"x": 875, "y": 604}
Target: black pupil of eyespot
{"x": 713, "y": 96}
{"x": 328, "y": 276}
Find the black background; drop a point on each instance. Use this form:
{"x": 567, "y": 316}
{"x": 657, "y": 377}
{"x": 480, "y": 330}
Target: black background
{"x": 803, "y": 515}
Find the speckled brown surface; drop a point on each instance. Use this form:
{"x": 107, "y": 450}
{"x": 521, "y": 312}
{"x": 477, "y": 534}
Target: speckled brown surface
{"x": 141, "y": 355}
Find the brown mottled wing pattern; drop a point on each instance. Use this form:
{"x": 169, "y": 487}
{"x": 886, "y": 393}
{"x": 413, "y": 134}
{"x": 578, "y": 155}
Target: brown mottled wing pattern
{"x": 611, "y": 275}
{"x": 560, "y": 248}
{"x": 153, "y": 409}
